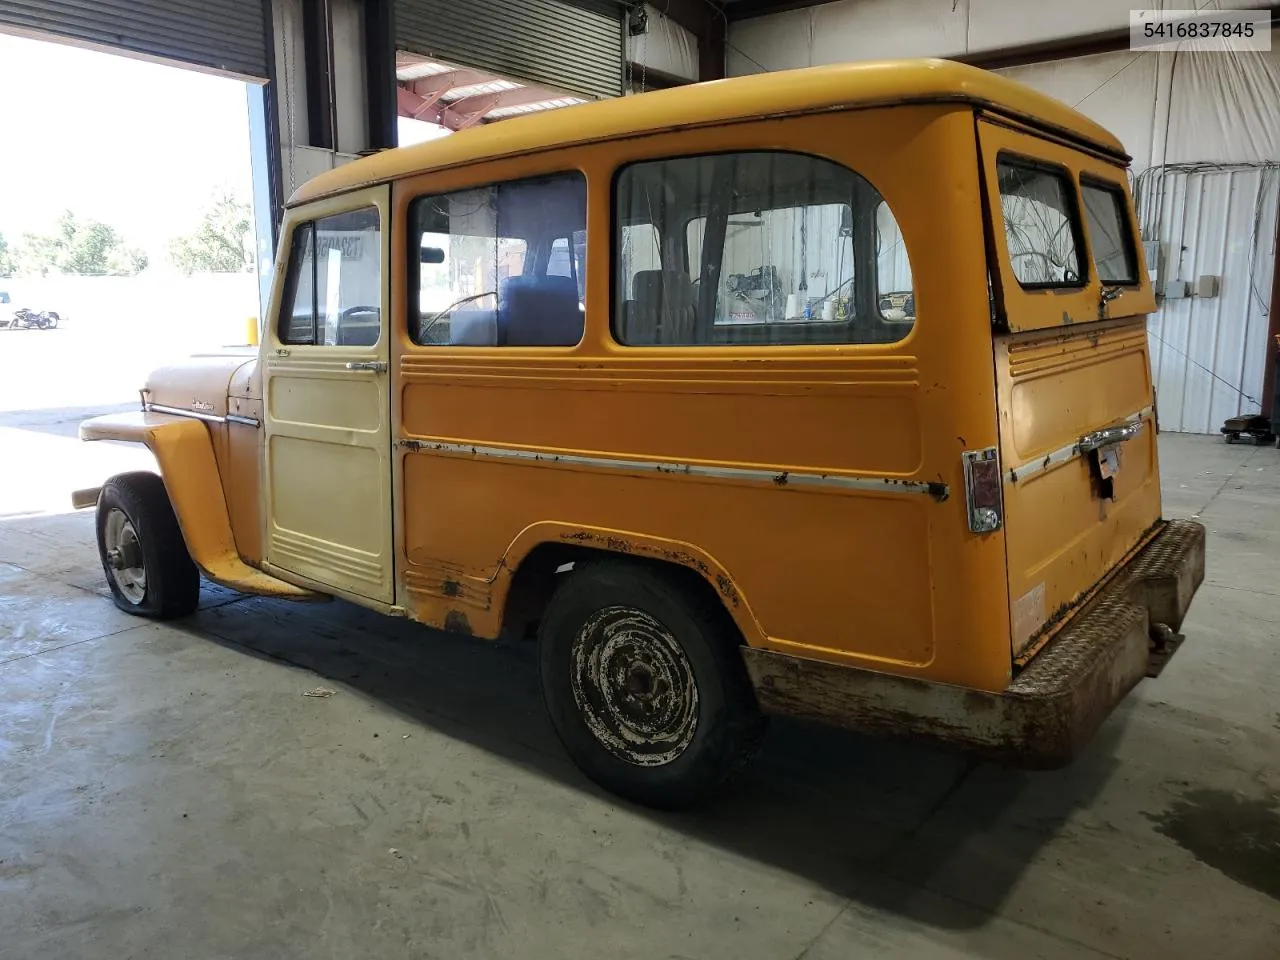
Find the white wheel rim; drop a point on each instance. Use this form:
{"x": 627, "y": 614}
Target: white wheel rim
{"x": 123, "y": 556}
{"x": 634, "y": 686}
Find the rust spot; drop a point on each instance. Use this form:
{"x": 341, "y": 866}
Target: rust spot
{"x": 939, "y": 491}
{"x": 450, "y": 588}
{"x": 781, "y": 479}
{"x": 455, "y": 621}
{"x": 727, "y": 589}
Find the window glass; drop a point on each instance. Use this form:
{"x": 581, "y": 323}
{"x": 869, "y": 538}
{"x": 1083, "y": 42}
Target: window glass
{"x": 501, "y": 265}
{"x": 298, "y": 322}
{"x": 897, "y": 300}
{"x": 335, "y": 282}
{"x": 1106, "y": 213}
{"x": 569, "y": 259}
{"x": 1041, "y": 225}
{"x": 753, "y": 248}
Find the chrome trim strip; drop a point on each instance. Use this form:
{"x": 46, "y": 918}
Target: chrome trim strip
{"x": 1062, "y": 455}
{"x": 785, "y": 478}
{"x": 178, "y": 411}
{"x": 196, "y": 414}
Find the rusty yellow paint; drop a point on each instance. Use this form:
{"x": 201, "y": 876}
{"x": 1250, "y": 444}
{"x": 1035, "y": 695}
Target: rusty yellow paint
{"x": 183, "y": 450}
{"x": 722, "y": 104}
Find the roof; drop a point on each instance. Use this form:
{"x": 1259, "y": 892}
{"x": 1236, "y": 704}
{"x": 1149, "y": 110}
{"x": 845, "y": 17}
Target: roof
{"x": 814, "y": 89}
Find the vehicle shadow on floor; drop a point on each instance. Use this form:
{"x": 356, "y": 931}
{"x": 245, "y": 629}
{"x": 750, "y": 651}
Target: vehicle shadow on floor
{"x": 878, "y": 822}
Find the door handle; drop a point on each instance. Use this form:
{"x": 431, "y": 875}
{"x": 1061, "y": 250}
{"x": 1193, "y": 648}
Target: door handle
{"x": 377, "y": 366}
{"x": 1104, "y": 438}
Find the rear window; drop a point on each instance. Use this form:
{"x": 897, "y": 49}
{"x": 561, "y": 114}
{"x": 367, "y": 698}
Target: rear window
{"x": 1106, "y": 213}
{"x": 1041, "y": 225}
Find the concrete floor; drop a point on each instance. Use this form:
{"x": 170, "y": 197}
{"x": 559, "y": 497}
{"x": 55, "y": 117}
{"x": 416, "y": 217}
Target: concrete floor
{"x": 169, "y": 791}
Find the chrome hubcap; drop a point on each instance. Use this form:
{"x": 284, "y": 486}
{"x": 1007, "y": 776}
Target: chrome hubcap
{"x": 634, "y": 686}
{"x": 124, "y": 556}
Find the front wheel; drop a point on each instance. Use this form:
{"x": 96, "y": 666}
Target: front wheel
{"x": 144, "y": 555}
{"x": 645, "y": 685}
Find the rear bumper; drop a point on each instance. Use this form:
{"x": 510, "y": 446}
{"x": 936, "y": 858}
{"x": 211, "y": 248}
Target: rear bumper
{"x": 1054, "y": 705}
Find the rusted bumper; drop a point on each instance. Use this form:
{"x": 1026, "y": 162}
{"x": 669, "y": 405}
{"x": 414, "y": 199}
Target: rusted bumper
{"x": 1054, "y": 705}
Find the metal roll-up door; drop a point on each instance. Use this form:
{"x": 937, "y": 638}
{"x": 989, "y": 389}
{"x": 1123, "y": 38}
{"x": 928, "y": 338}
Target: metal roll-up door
{"x": 227, "y": 35}
{"x": 574, "y": 46}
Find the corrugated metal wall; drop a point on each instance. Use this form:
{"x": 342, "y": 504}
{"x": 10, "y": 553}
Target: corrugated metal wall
{"x": 1208, "y": 354}
{"x": 227, "y": 35}
{"x": 573, "y": 46}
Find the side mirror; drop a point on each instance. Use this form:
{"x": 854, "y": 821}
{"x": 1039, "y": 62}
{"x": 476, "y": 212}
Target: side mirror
{"x": 432, "y": 255}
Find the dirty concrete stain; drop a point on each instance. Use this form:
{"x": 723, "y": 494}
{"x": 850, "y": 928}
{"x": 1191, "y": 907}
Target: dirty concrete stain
{"x": 1237, "y": 836}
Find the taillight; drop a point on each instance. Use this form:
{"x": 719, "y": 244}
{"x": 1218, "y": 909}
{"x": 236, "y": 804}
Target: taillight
{"x": 982, "y": 483}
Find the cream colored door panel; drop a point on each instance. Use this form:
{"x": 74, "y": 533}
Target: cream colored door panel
{"x": 327, "y": 400}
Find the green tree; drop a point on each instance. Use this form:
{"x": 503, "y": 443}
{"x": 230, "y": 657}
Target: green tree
{"x": 6, "y": 258}
{"x": 221, "y": 243}
{"x": 86, "y": 247}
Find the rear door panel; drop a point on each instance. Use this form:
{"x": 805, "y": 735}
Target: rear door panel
{"x": 1067, "y": 364}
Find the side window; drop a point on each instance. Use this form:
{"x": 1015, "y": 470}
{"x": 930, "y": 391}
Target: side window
{"x": 639, "y": 250}
{"x": 755, "y": 248}
{"x": 502, "y": 265}
{"x": 1106, "y": 213}
{"x": 334, "y": 289}
{"x": 897, "y": 300}
{"x": 1041, "y": 225}
{"x": 569, "y": 259}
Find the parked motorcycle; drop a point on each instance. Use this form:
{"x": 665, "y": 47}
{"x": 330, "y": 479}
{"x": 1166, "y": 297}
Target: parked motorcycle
{"x": 25, "y": 318}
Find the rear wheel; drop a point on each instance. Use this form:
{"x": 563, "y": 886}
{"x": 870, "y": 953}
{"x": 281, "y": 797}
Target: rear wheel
{"x": 645, "y": 685}
{"x": 144, "y": 556}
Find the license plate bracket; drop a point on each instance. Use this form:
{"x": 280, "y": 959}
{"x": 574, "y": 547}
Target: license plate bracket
{"x": 1104, "y": 464}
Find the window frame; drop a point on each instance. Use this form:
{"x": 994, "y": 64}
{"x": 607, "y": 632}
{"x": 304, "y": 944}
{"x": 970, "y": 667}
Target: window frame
{"x": 413, "y": 273}
{"x": 864, "y": 255}
{"x": 1067, "y": 178}
{"x": 294, "y": 277}
{"x": 284, "y": 322}
{"x": 1120, "y": 198}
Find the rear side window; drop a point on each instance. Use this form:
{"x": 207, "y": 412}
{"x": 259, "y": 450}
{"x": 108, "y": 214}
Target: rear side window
{"x": 1041, "y": 225}
{"x": 334, "y": 291}
{"x": 756, "y": 248}
{"x": 500, "y": 265}
{"x": 1107, "y": 215}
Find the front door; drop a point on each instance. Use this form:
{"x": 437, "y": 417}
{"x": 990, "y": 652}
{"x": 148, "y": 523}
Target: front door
{"x": 327, "y": 396}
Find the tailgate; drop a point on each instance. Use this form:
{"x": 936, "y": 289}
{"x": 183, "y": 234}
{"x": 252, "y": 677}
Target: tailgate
{"x": 1073, "y": 377}
{"x": 1072, "y": 514}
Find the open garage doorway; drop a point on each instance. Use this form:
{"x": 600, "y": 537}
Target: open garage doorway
{"x": 126, "y": 241}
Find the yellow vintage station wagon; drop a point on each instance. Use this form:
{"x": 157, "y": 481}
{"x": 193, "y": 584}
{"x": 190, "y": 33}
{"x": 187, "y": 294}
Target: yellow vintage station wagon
{"x": 823, "y": 392}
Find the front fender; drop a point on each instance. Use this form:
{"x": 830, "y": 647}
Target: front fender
{"x": 184, "y": 451}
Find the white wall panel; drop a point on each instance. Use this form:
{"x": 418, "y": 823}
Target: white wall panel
{"x": 848, "y": 30}
{"x": 1225, "y": 108}
{"x": 1124, "y": 105}
{"x": 1208, "y": 354}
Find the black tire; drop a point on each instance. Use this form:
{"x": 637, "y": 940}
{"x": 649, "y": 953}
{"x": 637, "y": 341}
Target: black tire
{"x": 675, "y": 635}
{"x": 170, "y": 581}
